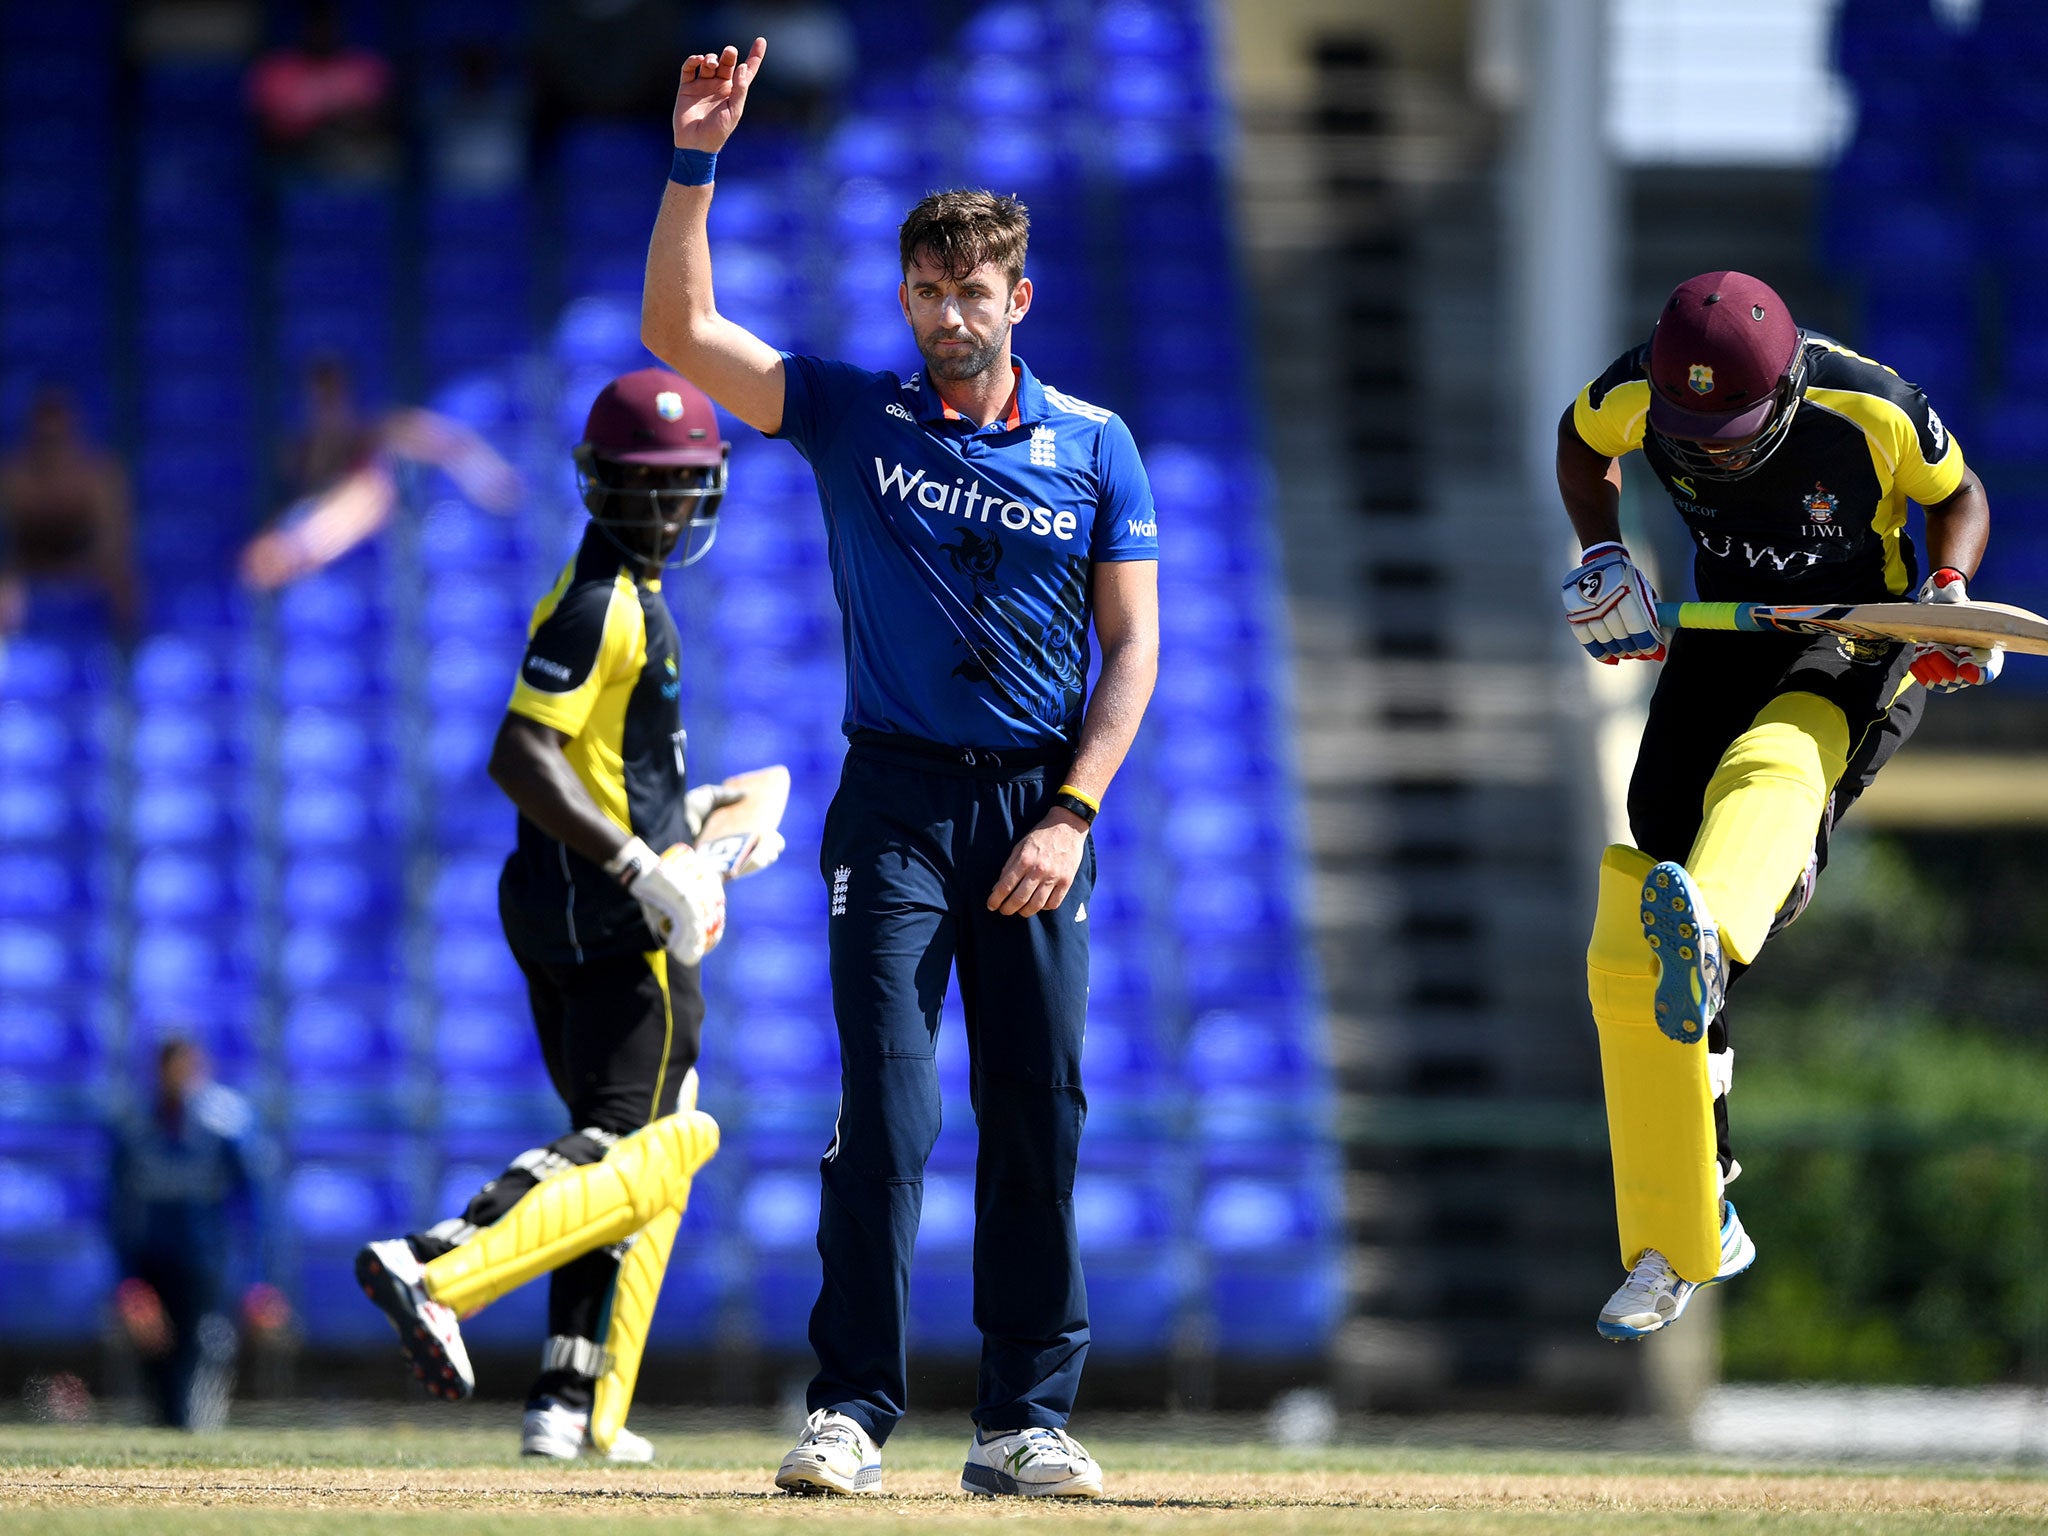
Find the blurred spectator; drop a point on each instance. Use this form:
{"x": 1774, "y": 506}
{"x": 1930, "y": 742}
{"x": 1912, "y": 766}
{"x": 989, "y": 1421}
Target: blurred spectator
{"x": 341, "y": 482}
{"x": 180, "y": 1167}
{"x": 811, "y": 48}
{"x": 162, "y": 30}
{"x": 325, "y": 107}
{"x": 607, "y": 58}
{"x": 65, "y": 514}
{"x": 335, "y": 441}
{"x": 477, "y": 119}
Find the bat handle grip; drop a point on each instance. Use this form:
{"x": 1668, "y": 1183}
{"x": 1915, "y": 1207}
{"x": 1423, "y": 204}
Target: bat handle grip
{"x": 1740, "y": 616}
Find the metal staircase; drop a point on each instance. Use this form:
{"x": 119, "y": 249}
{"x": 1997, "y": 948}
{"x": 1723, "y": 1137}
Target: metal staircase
{"x": 1452, "y": 820}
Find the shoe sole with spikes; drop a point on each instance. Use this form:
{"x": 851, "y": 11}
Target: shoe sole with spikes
{"x": 432, "y": 1364}
{"x": 1688, "y": 962}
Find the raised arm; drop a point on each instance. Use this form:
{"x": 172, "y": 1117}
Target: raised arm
{"x": 679, "y": 320}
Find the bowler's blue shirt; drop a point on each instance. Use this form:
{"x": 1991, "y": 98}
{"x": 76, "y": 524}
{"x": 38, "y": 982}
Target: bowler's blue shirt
{"x": 960, "y": 555}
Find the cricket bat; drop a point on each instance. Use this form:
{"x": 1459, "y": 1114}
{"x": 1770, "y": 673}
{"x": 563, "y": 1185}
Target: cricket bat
{"x": 1968, "y": 624}
{"x": 732, "y": 832}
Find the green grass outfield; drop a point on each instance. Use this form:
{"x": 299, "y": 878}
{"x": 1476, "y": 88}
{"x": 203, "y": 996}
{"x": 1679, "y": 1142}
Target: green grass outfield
{"x": 458, "y": 1474}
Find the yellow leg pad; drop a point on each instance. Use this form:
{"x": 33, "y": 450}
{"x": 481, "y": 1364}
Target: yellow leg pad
{"x": 625, "y": 1339}
{"x": 644, "y": 1176}
{"x": 1763, "y": 807}
{"x": 1660, "y": 1106}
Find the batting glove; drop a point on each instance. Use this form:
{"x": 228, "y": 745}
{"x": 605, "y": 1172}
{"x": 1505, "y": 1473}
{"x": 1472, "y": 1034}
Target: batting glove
{"x": 765, "y": 852}
{"x": 681, "y": 896}
{"x": 1947, "y": 668}
{"x": 700, "y": 802}
{"x": 1612, "y": 608}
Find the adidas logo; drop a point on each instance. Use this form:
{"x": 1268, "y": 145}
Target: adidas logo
{"x": 1081, "y": 913}
{"x": 896, "y": 410}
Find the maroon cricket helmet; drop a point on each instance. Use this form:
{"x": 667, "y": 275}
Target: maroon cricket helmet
{"x": 1719, "y": 358}
{"x": 652, "y": 416}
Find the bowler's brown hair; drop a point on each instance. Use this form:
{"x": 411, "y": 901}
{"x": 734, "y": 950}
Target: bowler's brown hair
{"x": 957, "y": 231}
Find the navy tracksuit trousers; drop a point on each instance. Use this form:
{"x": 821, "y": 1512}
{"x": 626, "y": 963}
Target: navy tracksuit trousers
{"x": 913, "y": 844}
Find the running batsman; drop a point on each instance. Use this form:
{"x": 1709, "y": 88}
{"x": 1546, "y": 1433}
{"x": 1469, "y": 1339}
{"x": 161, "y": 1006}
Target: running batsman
{"x": 1791, "y": 460}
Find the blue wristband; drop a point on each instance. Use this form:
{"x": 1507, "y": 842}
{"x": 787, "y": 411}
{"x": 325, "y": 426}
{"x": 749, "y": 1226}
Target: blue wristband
{"x": 693, "y": 168}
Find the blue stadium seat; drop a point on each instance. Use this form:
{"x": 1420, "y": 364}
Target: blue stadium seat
{"x": 458, "y": 747}
{"x": 53, "y": 1058}
{"x": 1011, "y": 27}
{"x": 333, "y": 744}
{"x": 42, "y": 883}
{"x": 484, "y": 1050}
{"x": 179, "y": 884}
{"x": 33, "y": 812}
{"x": 178, "y": 959}
{"x": 469, "y": 675}
{"x": 472, "y": 961}
{"x": 323, "y": 671}
{"x": 195, "y": 332}
{"x": 41, "y": 738}
{"x": 181, "y": 739}
{"x": 778, "y": 969}
{"x": 324, "y": 814}
{"x": 775, "y": 1046}
{"x": 43, "y": 956}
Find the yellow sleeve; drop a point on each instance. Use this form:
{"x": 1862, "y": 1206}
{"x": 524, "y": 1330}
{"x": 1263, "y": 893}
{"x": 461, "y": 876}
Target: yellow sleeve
{"x": 583, "y": 638}
{"x": 1612, "y": 413}
{"x": 1928, "y": 481}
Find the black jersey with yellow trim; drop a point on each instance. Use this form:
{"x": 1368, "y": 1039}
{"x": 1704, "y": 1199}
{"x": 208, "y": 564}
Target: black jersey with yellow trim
{"x": 1823, "y": 519}
{"x": 601, "y": 667}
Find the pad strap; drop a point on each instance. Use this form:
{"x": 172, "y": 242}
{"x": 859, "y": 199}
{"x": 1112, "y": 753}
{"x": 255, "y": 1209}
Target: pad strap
{"x": 566, "y": 1352}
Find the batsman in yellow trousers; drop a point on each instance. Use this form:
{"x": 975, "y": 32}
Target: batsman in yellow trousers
{"x": 1791, "y": 460}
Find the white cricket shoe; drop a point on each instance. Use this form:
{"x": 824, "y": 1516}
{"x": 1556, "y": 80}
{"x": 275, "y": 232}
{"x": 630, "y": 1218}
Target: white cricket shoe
{"x": 835, "y": 1455}
{"x": 1653, "y": 1297}
{"x": 1036, "y": 1462}
{"x": 428, "y": 1333}
{"x": 1691, "y": 978}
{"x": 564, "y": 1434}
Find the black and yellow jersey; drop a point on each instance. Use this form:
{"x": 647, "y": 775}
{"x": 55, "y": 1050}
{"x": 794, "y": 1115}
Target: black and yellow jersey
{"x": 1823, "y": 519}
{"x": 600, "y": 667}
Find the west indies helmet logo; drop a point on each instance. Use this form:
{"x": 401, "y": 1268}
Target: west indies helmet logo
{"x": 1701, "y": 378}
{"x": 669, "y": 405}
{"x": 1819, "y": 503}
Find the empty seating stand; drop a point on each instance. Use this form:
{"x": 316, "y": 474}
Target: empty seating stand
{"x": 295, "y": 846}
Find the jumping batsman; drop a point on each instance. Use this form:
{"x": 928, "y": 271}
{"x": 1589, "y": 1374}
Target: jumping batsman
{"x": 980, "y": 521}
{"x": 1791, "y": 460}
{"x": 608, "y": 935}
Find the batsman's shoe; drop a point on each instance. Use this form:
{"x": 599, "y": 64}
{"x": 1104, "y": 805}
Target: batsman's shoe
{"x": 1691, "y": 979}
{"x": 836, "y": 1455}
{"x": 1654, "y": 1297}
{"x": 428, "y": 1333}
{"x": 550, "y": 1429}
{"x": 1036, "y": 1462}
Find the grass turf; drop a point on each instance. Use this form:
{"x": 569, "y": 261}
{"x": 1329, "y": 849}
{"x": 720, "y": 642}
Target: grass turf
{"x": 417, "y": 1474}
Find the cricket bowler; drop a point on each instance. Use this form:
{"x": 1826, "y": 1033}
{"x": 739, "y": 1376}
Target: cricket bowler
{"x": 980, "y": 523}
{"x": 608, "y": 934}
{"x": 1791, "y": 460}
